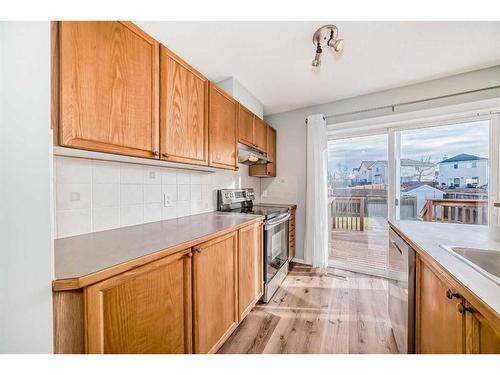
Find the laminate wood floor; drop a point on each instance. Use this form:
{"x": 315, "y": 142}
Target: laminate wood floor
{"x": 314, "y": 313}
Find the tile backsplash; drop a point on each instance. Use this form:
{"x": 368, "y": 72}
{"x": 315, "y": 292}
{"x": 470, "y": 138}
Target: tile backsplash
{"x": 94, "y": 195}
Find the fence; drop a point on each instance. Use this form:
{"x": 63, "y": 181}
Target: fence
{"x": 463, "y": 211}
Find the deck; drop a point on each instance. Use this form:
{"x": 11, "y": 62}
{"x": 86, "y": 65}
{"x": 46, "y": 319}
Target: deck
{"x": 361, "y": 251}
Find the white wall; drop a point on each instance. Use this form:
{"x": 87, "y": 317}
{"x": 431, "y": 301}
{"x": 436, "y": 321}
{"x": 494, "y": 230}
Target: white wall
{"x": 94, "y": 195}
{"x": 25, "y": 189}
{"x": 291, "y": 128}
{"x": 241, "y": 94}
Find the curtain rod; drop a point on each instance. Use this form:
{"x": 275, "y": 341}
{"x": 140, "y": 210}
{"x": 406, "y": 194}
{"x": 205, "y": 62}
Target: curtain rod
{"x": 393, "y": 106}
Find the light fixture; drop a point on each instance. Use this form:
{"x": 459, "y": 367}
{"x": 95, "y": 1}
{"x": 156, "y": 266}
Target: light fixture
{"x": 326, "y": 36}
{"x": 317, "y": 58}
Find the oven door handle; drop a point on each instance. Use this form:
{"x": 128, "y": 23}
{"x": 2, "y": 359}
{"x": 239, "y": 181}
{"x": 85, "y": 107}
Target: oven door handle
{"x": 279, "y": 220}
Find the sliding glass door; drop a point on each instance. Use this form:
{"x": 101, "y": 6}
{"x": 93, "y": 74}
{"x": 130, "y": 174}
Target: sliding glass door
{"x": 437, "y": 173}
{"x": 357, "y": 189}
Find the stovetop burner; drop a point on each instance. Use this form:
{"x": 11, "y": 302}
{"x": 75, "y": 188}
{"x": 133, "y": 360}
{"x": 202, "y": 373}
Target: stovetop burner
{"x": 241, "y": 201}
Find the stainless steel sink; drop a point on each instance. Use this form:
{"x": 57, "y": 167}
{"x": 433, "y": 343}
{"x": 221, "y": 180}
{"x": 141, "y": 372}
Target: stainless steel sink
{"x": 485, "y": 261}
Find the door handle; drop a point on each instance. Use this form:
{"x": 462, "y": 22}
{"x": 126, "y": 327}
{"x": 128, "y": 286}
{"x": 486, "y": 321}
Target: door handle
{"x": 397, "y": 247}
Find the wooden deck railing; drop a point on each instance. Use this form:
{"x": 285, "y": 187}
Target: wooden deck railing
{"x": 463, "y": 211}
{"x": 348, "y": 213}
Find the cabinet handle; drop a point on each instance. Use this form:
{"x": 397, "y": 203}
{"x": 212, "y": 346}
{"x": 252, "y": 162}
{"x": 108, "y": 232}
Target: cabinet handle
{"x": 165, "y": 155}
{"x": 397, "y": 247}
{"x": 197, "y": 250}
{"x": 462, "y": 309}
{"x": 156, "y": 153}
{"x": 189, "y": 255}
{"x": 451, "y": 295}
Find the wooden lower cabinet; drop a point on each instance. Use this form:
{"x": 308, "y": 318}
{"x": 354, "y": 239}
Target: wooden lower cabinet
{"x": 291, "y": 234}
{"x": 250, "y": 268}
{"x": 440, "y": 325}
{"x": 189, "y": 301}
{"x": 215, "y": 292}
{"x": 145, "y": 310}
{"x": 446, "y": 323}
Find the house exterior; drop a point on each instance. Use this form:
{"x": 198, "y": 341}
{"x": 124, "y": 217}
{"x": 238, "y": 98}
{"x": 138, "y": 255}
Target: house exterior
{"x": 463, "y": 171}
{"x": 422, "y": 192}
{"x": 375, "y": 172}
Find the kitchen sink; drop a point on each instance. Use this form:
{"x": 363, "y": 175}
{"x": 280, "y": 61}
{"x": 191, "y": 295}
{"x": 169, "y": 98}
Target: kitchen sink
{"x": 485, "y": 261}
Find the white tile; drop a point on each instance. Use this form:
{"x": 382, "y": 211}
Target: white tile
{"x": 152, "y": 212}
{"x": 73, "y": 171}
{"x": 152, "y": 193}
{"x": 131, "y": 174}
{"x": 207, "y": 192}
{"x": 207, "y": 178}
{"x": 131, "y": 194}
{"x": 169, "y": 177}
{"x": 105, "y": 218}
{"x": 196, "y": 207}
{"x": 195, "y": 178}
{"x": 183, "y": 208}
{"x": 73, "y": 222}
{"x": 183, "y": 192}
{"x": 72, "y": 196}
{"x": 172, "y": 190}
{"x": 183, "y": 178}
{"x": 152, "y": 176}
{"x": 196, "y": 192}
{"x": 105, "y": 195}
{"x": 105, "y": 172}
{"x": 168, "y": 213}
{"x": 131, "y": 215}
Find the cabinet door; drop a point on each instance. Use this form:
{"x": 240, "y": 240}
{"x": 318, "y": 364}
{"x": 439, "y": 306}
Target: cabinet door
{"x": 222, "y": 129}
{"x": 109, "y": 86}
{"x": 440, "y": 324}
{"x": 245, "y": 126}
{"x": 260, "y": 135}
{"x": 145, "y": 310}
{"x": 482, "y": 336}
{"x": 250, "y": 269}
{"x": 215, "y": 294}
{"x": 271, "y": 152}
{"x": 266, "y": 170}
{"x": 183, "y": 111}
{"x": 291, "y": 235}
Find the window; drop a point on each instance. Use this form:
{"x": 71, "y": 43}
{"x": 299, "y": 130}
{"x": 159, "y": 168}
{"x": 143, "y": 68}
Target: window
{"x": 474, "y": 164}
{"x": 455, "y": 166}
{"x": 456, "y": 182}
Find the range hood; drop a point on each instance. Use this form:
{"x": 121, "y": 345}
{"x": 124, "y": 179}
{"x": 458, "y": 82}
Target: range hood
{"x": 251, "y": 156}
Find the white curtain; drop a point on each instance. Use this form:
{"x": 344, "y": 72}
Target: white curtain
{"x": 316, "y": 238}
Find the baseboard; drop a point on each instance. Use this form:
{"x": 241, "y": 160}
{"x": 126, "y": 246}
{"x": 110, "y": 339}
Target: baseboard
{"x": 301, "y": 261}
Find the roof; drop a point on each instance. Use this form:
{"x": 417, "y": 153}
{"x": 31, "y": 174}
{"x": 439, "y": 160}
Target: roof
{"x": 416, "y": 163}
{"x": 462, "y": 157}
{"x": 416, "y": 186}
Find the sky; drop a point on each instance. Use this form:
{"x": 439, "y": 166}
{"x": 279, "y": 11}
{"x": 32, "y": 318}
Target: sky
{"x": 436, "y": 143}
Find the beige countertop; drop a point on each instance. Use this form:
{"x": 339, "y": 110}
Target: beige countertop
{"x": 81, "y": 260}
{"x": 428, "y": 237}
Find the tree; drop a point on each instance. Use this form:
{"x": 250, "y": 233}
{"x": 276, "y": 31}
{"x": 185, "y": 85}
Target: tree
{"x": 424, "y": 168}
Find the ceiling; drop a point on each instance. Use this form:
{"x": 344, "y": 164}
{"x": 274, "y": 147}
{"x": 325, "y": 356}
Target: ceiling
{"x": 273, "y": 59}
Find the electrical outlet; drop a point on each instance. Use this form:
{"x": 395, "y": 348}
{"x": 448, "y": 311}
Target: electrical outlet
{"x": 167, "y": 200}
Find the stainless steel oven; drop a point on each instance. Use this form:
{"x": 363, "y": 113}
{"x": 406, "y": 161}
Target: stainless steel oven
{"x": 275, "y": 233}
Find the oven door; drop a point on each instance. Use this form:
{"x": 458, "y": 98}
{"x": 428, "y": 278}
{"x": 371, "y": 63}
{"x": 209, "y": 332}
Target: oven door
{"x": 275, "y": 245}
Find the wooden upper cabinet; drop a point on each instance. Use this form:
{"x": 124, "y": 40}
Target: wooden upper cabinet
{"x": 223, "y": 115}
{"x": 267, "y": 170}
{"x": 215, "y": 293}
{"x": 145, "y": 310}
{"x": 260, "y": 135}
{"x": 108, "y": 88}
{"x": 440, "y": 324}
{"x": 183, "y": 111}
{"x": 245, "y": 126}
{"x": 250, "y": 268}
